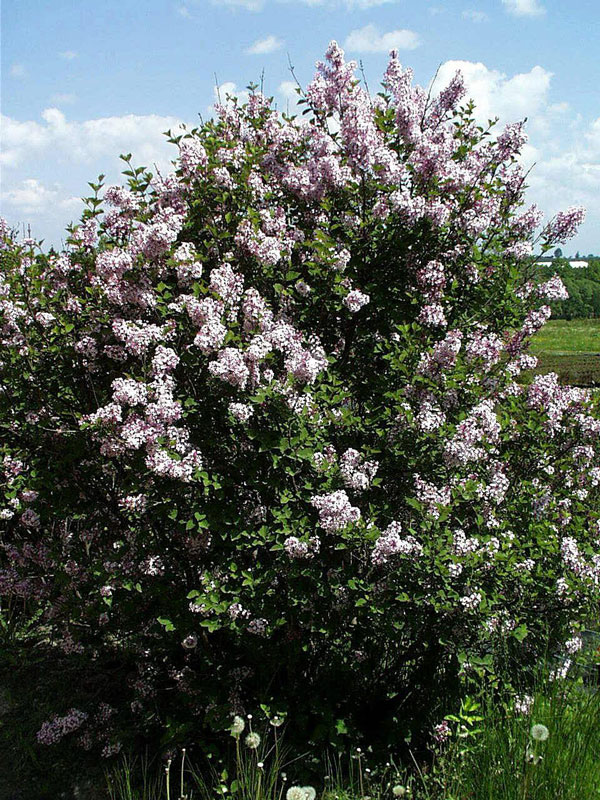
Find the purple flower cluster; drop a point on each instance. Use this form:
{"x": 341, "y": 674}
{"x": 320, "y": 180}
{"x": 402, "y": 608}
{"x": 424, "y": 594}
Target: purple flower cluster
{"x": 335, "y": 511}
{"x": 355, "y": 300}
{"x": 565, "y": 224}
{"x": 357, "y": 473}
{"x": 57, "y": 728}
{"x": 302, "y": 550}
{"x": 391, "y": 544}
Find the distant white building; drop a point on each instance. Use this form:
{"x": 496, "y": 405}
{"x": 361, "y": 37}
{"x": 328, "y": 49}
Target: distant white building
{"x": 575, "y": 264}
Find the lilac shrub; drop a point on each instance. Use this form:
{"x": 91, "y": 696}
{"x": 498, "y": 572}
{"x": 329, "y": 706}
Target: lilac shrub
{"x": 263, "y": 438}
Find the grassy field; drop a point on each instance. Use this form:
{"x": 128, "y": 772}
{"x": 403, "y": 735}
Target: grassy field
{"x": 567, "y": 336}
{"x": 571, "y": 348}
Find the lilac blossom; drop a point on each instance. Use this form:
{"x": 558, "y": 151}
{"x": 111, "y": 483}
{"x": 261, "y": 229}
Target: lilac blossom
{"x": 391, "y": 544}
{"x": 355, "y": 300}
{"x": 335, "y": 511}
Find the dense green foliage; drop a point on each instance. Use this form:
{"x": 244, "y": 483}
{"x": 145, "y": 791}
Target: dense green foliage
{"x": 583, "y": 286}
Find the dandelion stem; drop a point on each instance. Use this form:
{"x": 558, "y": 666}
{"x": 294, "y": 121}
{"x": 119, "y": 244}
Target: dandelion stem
{"x": 182, "y": 763}
{"x": 168, "y": 771}
{"x": 360, "y": 777}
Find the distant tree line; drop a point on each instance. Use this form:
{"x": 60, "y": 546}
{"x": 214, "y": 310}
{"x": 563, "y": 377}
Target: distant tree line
{"x": 582, "y": 284}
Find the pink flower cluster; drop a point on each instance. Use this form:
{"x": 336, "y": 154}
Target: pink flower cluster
{"x": 443, "y": 356}
{"x": 355, "y": 300}
{"x": 565, "y": 224}
{"x": 357, "y": 473}
{"x": 335, "y": 511}
{"x": 391, "y": 544}
{"x": 302, "y": 550}
{"x": 432, "y": 496}
{"x": 480, "y": 428}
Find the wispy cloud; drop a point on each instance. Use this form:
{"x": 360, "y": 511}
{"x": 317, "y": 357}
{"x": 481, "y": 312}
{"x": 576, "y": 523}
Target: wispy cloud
{"x": 63, "y": 98}
{"x": 288, "y": 89}
{"x": 351, "y": 4}
{"x": 267, "y": 45}
{"x": 18, "y": 71}
{"x": 30, "y": 196}
{"x": 249, "y": 5}
{"x": 68, "y": 55}
{"x": 475, "y": 16}
{"x": 524, "y": 8}
{"x": 370, "y": 40}
{"x": 258, "y": 5}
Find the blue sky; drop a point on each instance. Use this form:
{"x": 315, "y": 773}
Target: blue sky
{"x": 84, "y": 80}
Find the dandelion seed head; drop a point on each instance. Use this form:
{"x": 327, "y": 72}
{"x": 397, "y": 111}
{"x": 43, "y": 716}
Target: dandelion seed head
{"x": 237, "y": 726}
{"x": 539, "y": 733}
{"x": 252, "y": 740}
{"x": 295, "y": 793}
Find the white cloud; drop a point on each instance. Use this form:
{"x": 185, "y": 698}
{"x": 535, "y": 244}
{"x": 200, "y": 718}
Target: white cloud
{"x": 63, "y": 98}
{"x": 56, "y": 148}
{"x": 288, "y": 90}
{"x": 184, "y": 11}
{"x": 41, "y": 210}
{"x": 263, "y": 46}
{"x": 18, "y": 71}
{"x": 524, "y": 8}
{"x": 86, "y": 141}
{"x": 495, "y": 94}
{"x": 563, "y": 150}
{"x": 31, "y": 196}
{"x": 475, "y": 16}
{"x": 592, "y": 137}
{"x": 68, "y": 55}
{"x": 369, "y": 40}
{"x": 223, "y": 91}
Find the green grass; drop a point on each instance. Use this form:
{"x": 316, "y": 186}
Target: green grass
{"x": 493, "y": 757}
{"x": 571, "y": 348}
{"x": 566, "y": 337}
{"x": 504, "y": 762}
